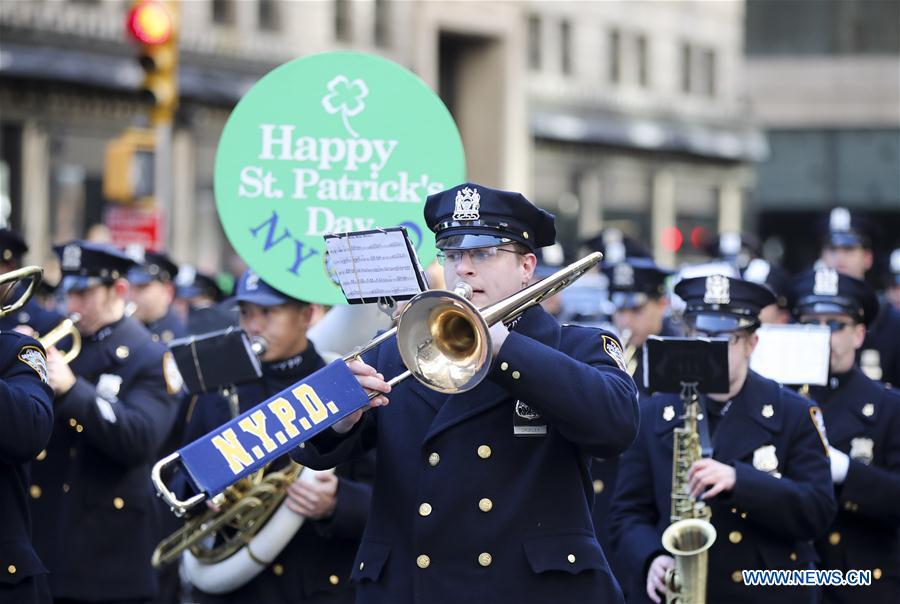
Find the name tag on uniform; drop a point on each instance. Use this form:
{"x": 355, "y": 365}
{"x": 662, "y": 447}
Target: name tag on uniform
{"x": 527, "y": 421}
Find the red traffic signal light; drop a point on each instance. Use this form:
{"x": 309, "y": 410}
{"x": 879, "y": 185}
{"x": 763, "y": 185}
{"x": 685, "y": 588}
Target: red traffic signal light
{"x": 154, "y": 24}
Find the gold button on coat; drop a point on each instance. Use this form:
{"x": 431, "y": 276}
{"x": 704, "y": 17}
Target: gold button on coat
{"x": 424, "y": 509}
{"x": 834, "y": 538}
{"x": 11, "y": 569}
{"x": 876, "y": 572}
{"x": 278, "y": 569}
{"x": 73, "y": 422}
{"x": 333, "y": 579}
{"x": 65, "y": 487}
{"x": 484, "y": 451}
{"x": 42, "y": 455}
{"x": 737, "y": 577}
{"x": 485, "y": 505}
{"x": 598, "y": 486}
{"x": 118, "y": 503}
{"x": 35, "y": 491}
{"x": 122, "y": 352}
{"x": 484, "y": 559}
{"x": 735, "y": 536}
{"x": 79, "y": 428}
{"x": 571, "y": 558}
{"x": 504, "y": 366}
{"x": 516, "y": 375}
{"x": 423, "y": 561}
{"x": 434, "y": 459}
{"x": 793, "y": 556}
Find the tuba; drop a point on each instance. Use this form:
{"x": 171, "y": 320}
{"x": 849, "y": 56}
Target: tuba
{"x": 691, "y": 534}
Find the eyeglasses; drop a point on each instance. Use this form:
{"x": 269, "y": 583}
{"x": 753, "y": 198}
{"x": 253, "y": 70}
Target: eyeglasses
{"x": 478, "y": 256}
{"x": 835, "y": 325}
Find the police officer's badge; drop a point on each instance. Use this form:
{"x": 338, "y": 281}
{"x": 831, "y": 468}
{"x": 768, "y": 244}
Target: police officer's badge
{"x": 765, "y": 459}
{"x": 467, "y": 204}
{"x": 174, "y": 381}
{"x": 718, "y": 290}
{"x": 669, "y": 413}
{"x": 819, "y": 422}
{"x": 612, "y": 347}
{"x": 862, "y": 450}
{"x": 527, "y": 421}
{"x": 34, "y": 358}
{"x": 71, "y": 258}
{"x": 826, "y": 283}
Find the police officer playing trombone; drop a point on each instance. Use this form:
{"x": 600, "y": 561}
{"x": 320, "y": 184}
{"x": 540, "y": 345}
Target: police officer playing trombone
{"x": 485, "y": 495}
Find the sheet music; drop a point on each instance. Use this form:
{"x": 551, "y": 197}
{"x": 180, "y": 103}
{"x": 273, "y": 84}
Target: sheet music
{"x": 793, "y": 354}
{"x": 374, "y": 264}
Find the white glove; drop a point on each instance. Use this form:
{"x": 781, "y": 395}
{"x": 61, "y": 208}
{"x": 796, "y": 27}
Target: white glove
{"x": 840, "y": 463}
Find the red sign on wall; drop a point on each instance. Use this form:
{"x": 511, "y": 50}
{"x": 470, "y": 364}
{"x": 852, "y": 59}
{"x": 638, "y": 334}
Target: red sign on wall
{"x": 136, "y": 225}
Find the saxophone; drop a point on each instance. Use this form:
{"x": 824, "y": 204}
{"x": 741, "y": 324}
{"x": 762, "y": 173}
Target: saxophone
{"x": 691, "y": 534}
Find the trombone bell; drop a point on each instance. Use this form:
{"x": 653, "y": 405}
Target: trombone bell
{"x": 8, "y": 281}
{"x": 444, "y": 341}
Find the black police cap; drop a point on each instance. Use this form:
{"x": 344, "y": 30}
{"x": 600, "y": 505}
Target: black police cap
{"x": 152, "y": 266}
{"x": 616, "y": 246}
{"x": 472, "y": 215}
{"x": 12, "y": 246}
{"x": 737, "y": 248}
{"x": 191, "y": 283}
{"x": 635, "y": 281}
{"x": 824, "y": 290}
{"x": 718, "y": 304}
{"x": 87, "y": 263}
{"x": 776, "y": 278}
{"x": 848, "y": 229}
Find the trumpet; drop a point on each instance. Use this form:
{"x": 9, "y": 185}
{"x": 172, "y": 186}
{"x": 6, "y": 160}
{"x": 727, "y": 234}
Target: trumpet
{"x": 56, "y": 335}
{"x": 31, "y": 274}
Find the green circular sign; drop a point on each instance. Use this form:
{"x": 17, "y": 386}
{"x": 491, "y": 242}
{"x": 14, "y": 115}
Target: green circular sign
{"x": 331, "y": 143}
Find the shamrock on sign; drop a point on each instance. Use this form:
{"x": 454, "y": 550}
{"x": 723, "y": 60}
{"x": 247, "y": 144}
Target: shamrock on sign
{"x": 345, "y": 97}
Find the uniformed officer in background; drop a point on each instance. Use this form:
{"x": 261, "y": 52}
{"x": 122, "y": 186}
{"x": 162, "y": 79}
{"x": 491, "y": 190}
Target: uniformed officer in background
{"x": 848, "y": 248}
{"x": 779, "y": 281}
{"x": 197, "y": 302}
{"x": 12, "y": 248}
{"x": 485, "y": 496}
{"x": 767, "y": 482}
{"x": 26, "y": 421}
{"x": 92, "y": 499}
{"x": 315, "y": 565}
{"x": 152, "y": 290}
{"x": 862, "y": 419}
{"x": 892, "y": 286}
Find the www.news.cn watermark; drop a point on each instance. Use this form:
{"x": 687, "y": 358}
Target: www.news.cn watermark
{"x": 831, "y": 578}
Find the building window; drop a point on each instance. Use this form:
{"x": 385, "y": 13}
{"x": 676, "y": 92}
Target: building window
{"x": 342, "y": 20}
{"x": 686, "y": 68}
{"x": 223, "y": 12}
{"x": 709, "y": 72}
{"x": 643, "y": 60}
{"x": 534, "y": 42}
{"x": 565, "y": 51}
{"x": 382, "y": 15}
{"x": 615, "y": 56}
{"x": 268, "y": 15}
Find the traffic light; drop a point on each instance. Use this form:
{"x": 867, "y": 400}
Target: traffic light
{"x": 154, "y": 25}
{"x": 128, "y": 167}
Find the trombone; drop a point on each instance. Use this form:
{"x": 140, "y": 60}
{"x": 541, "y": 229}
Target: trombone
{"x": 8, "y": 280}
{"x": 444, "y": 342}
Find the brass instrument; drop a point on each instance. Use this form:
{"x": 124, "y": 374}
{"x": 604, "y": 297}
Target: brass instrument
{"x": 236, "y": 515}
{"x": 65, "y": 328}
{"x": 691, "y": 534}
{"x": 444, "y": 342}
{"x": 8, "y": 283}
{"x": 629, "y": 352}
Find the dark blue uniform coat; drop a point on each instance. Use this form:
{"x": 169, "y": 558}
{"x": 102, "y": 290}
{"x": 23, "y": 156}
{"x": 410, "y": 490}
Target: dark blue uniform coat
{"x": 883, "y": 336}
{"x": 34, "y": 315}
{"x": 167, "y": 327}
{"x": 95, "y": 519}
{"x": 862, "y": 418}
{"x": 26, "y": 421}
{"x": 315, "y": 565}
{"x": 464, "y": 509}
{"x": 765, "y": 522}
